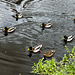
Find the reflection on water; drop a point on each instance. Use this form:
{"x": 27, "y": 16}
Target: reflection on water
{"x": 13, "y": 48}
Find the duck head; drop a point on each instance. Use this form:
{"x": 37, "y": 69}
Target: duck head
{"x": 65, "y": 37}
{"x": 42, "y": 25}
{"x": 30, "y": 48}
{"x": 16, "y": 17}
{"x": 5, "y": 31}
{"x": 6, "y": 28}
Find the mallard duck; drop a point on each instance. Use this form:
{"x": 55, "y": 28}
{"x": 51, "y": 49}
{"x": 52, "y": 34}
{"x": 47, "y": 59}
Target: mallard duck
{"x": 49, "y": 54}
{"x": 9, "y": 30}
{"x": 35, "y": 49}
{"x": 68, "y": 38}
{"x": 48, "y": 25}
{"x": 17, "y": 16}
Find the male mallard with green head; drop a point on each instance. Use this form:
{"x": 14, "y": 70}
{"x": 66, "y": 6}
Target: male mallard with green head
{"x": 67, "y": 38}
{"x": 18, "y": 16}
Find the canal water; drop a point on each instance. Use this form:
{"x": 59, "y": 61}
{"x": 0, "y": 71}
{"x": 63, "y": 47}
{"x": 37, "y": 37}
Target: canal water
{"x": 13, "y": 48}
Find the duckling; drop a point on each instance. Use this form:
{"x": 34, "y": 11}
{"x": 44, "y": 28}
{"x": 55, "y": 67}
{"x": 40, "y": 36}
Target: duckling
{"x": 67, "y": 38}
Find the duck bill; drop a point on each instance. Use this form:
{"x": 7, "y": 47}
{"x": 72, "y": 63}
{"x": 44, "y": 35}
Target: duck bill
{"x": 63, "y": 38}
{"x": 3, "y": 29}
{"x": 28, "y": 49}
{"x": 41, "y": 25}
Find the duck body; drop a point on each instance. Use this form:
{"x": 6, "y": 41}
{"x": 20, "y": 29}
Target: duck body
{"x": 48, "y": 25}
{"x": 36, "y": 49}
{"x": 70, "y": 38}
{"x": 49, "y": 54}
{"x": 11, "y": 29}
{"x": 19, "y": 16}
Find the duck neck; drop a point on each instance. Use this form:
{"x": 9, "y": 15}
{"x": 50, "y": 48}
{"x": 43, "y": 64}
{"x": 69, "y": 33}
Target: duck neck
{"x": 30, "y": 54}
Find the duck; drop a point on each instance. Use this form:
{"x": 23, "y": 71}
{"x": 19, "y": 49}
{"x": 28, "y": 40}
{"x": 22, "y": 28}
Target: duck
{"x": 48, "y": 54}
{"x": 67, "y": 38}
{"x": 18, "y": 16}
{"x": 10, "y": 29}
{"x": 35, "y": 49}
{"x": 48, "y": 25}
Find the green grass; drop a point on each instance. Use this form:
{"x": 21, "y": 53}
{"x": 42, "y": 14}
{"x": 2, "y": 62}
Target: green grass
{"x": 65, "y": 67}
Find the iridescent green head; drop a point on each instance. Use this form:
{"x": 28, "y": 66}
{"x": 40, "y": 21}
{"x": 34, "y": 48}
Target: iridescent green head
{"x": 65, "y": 37}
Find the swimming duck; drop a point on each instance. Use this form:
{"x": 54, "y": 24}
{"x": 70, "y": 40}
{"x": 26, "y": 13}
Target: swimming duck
{"x": 48, "y": 25}
{"x": 67, "y": 38}
{"x": 9, "y": 30}
{"x": 48, "y": 54}
{"x": 17, "y": 16}
{"x": 35, "y": 49}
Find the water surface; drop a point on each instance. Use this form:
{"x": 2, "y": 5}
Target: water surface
{"x": 13, "y": 48}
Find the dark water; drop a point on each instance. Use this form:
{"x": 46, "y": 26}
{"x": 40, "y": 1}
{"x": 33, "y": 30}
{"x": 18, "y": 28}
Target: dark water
{"x": 13, "y": 48}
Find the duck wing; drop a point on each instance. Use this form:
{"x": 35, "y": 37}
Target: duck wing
{"x": 48, "y": 25}
{"x": 70, "y": 38}
{"x": 11, "y": 29}
{"x": 37, "y": 48}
